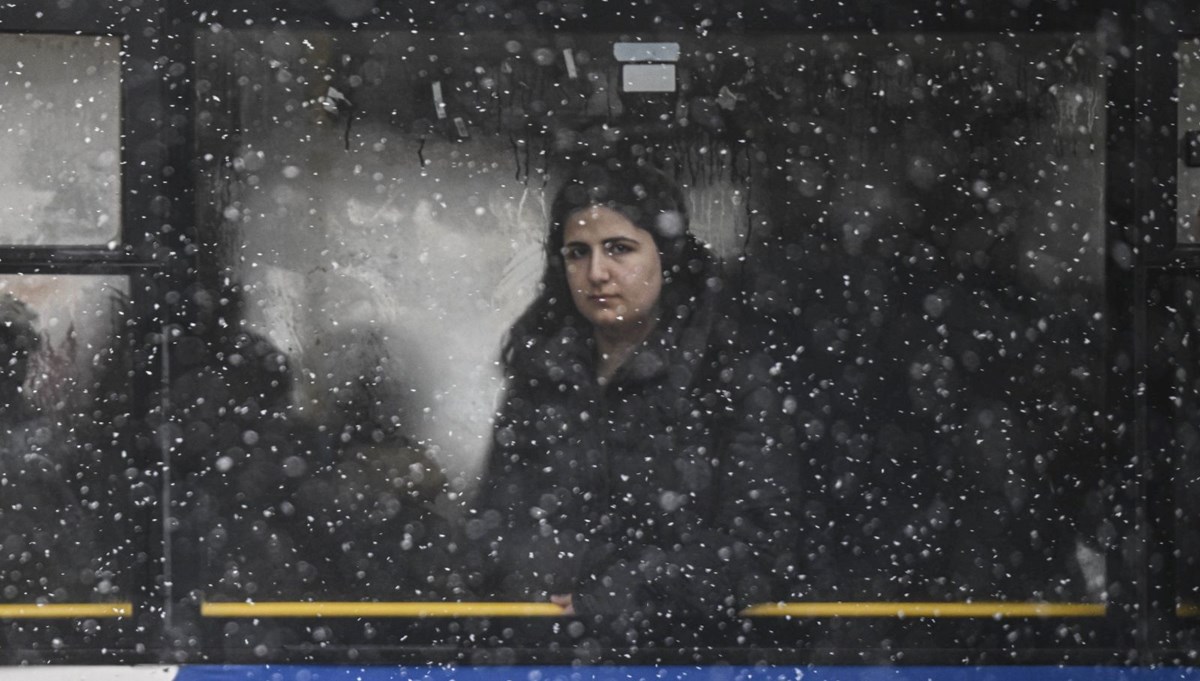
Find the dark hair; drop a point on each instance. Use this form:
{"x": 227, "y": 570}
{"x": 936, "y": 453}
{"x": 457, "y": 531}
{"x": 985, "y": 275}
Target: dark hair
{"x": 651, "y": 201}
{"x": 18, "y": 337}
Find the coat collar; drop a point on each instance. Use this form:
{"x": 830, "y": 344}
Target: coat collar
{"x": 569, "y": 356}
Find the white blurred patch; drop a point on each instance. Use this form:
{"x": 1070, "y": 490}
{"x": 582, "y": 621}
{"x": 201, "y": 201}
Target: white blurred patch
{"x": 670, "y": 224}
{"x": 1091, "y": 563}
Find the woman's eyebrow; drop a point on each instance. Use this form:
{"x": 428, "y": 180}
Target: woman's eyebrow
{"x": 619, "y": 239}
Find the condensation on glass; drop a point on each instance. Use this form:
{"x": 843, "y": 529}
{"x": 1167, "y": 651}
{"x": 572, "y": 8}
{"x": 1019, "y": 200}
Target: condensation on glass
{"x": 66, "y": 472}
{"x": 1173, "y": 358}
{"x": 921, "y": 217}
{"x": 60, "y": 115}
{"x": 1188, "y": 205}
{"x": 1174, "y": 415}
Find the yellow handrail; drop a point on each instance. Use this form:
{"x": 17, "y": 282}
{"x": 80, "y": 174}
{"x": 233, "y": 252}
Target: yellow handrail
{"x": 377, "y": 609}
{"x": 993, "y": 609}
{"x": 510, "y": 609}
{"x": 12, "y": 611}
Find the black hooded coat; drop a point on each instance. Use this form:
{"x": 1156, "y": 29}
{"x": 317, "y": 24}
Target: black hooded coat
{"x": 667, "y": 490}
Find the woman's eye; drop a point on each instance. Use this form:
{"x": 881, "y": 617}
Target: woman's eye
{"x": 618, "y": 248}
{"x": 574, "y": 253}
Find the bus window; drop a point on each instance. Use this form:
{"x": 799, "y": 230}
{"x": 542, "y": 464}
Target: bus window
{"x": 75, "y": 495}
{"x": 60, "y": 109}
{"x": 916, "y": 239}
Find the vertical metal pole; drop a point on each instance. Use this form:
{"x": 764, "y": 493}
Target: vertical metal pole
{"x": 166, "y": 448}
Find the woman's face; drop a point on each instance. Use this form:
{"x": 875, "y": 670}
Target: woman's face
{"x": 613, "y": 270}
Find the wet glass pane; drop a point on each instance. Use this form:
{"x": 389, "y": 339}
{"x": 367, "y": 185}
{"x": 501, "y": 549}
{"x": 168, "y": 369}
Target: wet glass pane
{"x": 66, "y": 468}
{"x": 944, "y": 308}
{"x": 1173, "y": 425}
{"x": 910, "y": 226}
{"x": 1189, "y": 148}
{"x": 60, "y": 113}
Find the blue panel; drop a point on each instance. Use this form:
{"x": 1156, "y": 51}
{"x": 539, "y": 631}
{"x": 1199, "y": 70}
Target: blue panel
{"x": 703, "y": 673}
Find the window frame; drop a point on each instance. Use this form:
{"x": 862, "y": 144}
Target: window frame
{"x": 145, "y": 258}
{"x": 158, "y": 235}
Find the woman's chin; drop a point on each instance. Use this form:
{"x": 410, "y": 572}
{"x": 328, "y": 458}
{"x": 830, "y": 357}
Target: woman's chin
{"x": 604, "y": 316}
{"x": 616, "y": 325}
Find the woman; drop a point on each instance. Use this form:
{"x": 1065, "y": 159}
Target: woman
{"x": 636, "y": 467}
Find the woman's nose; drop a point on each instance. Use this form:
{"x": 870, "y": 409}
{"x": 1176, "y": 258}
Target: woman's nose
{"x": 597, "y": 269}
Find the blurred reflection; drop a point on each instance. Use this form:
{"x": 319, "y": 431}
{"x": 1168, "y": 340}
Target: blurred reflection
{"x": 43, "y": 524}
{"x": 60, "y": 109}
{"x": 293, "y": 508}
{"x": 636, "y": 469}
{"x": 63, "y": 457}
